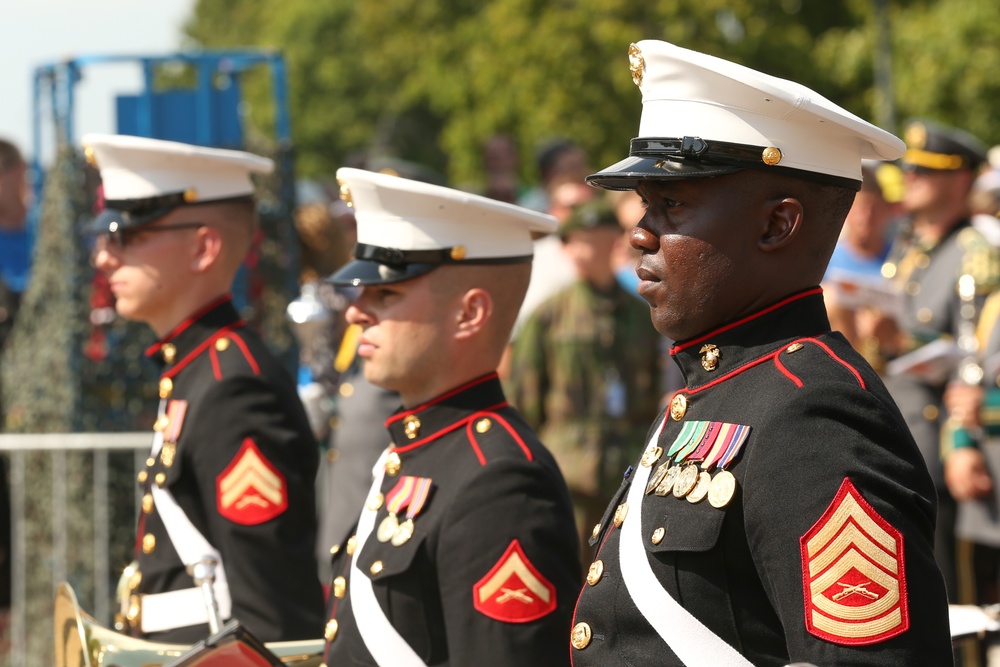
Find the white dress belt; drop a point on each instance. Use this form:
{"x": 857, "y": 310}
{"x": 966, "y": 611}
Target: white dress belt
{"x": 181, "y": 608}
{"x": 687, "y": 637}
{"x": 386, "y": 646}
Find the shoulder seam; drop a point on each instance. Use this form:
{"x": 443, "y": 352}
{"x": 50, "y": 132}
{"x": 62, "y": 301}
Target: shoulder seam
{"x": 823, "y": 346}
{"x": 471, "y": 433}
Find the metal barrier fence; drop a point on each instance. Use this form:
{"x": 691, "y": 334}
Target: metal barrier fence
{"x": 30, "y": 632}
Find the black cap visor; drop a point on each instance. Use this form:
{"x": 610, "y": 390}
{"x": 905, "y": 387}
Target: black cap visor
{"x": 113, "y": 219}
{"x": 360, "y": 272}
{"x": 625, "y": 175}
{"x": 693, "y": 157}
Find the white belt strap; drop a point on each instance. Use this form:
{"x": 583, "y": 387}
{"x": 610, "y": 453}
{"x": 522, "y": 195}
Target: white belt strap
{"x": 687, "y": 637}
{"x": 181, "y": 608}
{"x": 386, "y": 646}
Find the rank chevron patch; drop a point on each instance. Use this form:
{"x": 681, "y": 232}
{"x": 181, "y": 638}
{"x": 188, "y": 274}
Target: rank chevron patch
{"x": 250, "y": 490}
{"x": 514, "y": 591}
{"x": 853, "y": 577}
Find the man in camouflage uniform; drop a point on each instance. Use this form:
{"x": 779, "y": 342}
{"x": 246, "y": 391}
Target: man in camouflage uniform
{"x": 584, "y": 370}
{"x": 936, "y": 247}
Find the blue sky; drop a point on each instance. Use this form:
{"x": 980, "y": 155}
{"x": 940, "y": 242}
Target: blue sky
{"x": 34, "y": 32}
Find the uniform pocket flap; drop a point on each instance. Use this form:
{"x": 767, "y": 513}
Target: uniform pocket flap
{"x": 674, "y": 524}
{"x": 384, "y": 559}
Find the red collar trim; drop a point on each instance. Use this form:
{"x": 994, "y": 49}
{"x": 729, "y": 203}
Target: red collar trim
{"x": 434, "y": 401}
{"x": 176, "y": 331}
{"x": 732, "y": 325}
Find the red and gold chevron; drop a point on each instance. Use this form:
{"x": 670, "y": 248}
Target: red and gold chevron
{"x": 514, "y": 591}
{"x": 251, "y": 490}
{"x": 853, "y": 574}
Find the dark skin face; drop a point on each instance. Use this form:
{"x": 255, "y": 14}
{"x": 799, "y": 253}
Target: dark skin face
{"x": 715, "y": 249}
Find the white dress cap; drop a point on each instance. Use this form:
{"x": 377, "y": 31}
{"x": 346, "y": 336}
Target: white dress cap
{"x": 705, "y": 116}
{"x": 137, "y": 168}
{"x": 407, "y": 228}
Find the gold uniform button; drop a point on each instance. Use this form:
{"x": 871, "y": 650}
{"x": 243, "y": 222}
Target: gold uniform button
{"x": 169, "y": 352}
{"x": 166, "y": 387}
{"x": 168, "y": 453}
{"x": 339, "y": 588}
{"x": 134, "y": 580}
{"x": 222, "y": 344}
{"x": 375, "y": 502}
{"x": 331, "y": 629}
{"x": 147, "y": 503}
{"x": 346, "y": 389}
{"x": 333, "y": 455}
{"x": 912, "y": 288}
{"x": 161, "y": 423}
{"x": 161, "y": 479}
{"x": 352, "y": 544}
{"x": 335, "y": 549}
{"x": 595, "y": 572}
{"x": 658, "y": 535}
{"x": 484, "y": 425}
{"x": 150, "y": 461}
{"x": 889, "y": 271}
{"x": 794, "y": 347}
{"x": 148, "y": 543}
{"x": 596, "y": 531}
{"x": 925, "y": 315}
{"x": 142, "y": 476}
{"x": 931, "y": 412}
{"x": 393, "y": 464}
{"x": 620, "y": 513}
{"x": 678, "y": 407}
{"x": 376, "y": 567}
{"x": 923, "y": 261}
{"x": 581, "y": 636}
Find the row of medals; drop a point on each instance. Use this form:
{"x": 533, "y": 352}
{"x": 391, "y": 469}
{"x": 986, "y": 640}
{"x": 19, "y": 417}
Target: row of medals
{"x": 684, "y": 480}
{"x": 392, "y": 531}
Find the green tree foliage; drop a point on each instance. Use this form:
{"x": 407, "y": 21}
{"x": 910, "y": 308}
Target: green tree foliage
{"x": 431, "y": 80}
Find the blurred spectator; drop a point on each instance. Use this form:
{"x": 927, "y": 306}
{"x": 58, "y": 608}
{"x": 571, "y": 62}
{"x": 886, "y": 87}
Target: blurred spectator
{"x": 563, "y": 166}
{"x": 862, "y": 249}
{"x": 984, "y": 204}
{"x": 936, "y": 246}
{"x": 584, "y": 369}
{"x": 559, "y": 162}
{"x": 629, "y": 211}
{"x": 15, "y": 257}
{"x": 501, "y": 161}
{"x": 15, "y": 263}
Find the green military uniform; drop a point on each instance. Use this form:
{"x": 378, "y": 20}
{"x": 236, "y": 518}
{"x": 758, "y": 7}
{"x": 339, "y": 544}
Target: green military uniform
{"x": 928, "y": 274}
{"x": 584, "y": 373}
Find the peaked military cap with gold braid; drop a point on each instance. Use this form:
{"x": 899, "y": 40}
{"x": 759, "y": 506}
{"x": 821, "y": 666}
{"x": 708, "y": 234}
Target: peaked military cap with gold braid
{"x": 703, "y": 116}
{"x": 940, "y": 148}
{"x": 407, "y": 228}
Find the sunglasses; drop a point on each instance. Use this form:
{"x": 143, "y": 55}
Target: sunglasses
{"x": 121, "y": 237}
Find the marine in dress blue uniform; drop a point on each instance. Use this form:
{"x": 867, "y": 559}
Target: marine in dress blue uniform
{"x": 466, "y": 551}
{"x": 231, "y": 471}
{"x": 781, "y": 511}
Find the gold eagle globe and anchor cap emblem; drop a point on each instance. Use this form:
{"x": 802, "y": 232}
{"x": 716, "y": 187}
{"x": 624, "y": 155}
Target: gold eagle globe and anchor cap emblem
{"x": 710, "y": 357}
{"x": 636, "y": 64}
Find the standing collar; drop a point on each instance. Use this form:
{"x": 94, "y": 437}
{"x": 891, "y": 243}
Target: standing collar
{"x": 412, "y": 428}
{"x": 712, "y": 355}
{"x": 192, "y": 336}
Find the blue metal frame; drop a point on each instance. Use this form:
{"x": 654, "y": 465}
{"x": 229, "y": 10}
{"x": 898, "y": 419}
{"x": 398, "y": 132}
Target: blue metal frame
{"x": 59, "y": 81}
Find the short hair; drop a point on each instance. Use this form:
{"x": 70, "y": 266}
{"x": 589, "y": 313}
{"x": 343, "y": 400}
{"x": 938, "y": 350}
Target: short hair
{"x": 10, "y": 156}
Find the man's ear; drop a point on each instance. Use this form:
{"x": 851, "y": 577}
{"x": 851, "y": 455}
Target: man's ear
{"x": 207, "y": 249}
{"x": 475, "y": 310}
{"x": 783, "y": 222}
